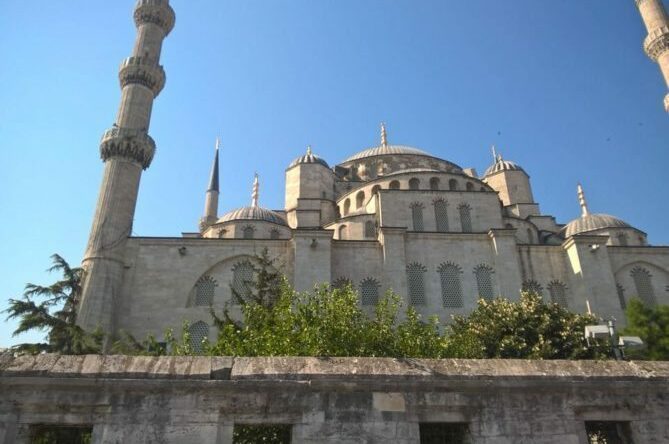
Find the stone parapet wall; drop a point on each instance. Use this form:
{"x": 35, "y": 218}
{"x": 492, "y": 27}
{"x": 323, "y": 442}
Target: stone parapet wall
{"x": 330, "y": 400}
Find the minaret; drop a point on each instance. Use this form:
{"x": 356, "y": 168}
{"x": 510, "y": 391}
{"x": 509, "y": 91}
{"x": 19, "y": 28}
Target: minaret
{"x": 581, "y": 201}
{"x": 126, "y": 150}
{"x": 255, "y": 192}
{"x": 384, "y": 135}
{"x": 211, "y": 198}
{"x": 656, "y": 44}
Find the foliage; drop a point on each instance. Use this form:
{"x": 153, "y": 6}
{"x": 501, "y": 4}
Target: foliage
{"x": 261, "y": 433}
{"x": 56, "y": 314}
{"x": 528, "y": 329}
{"x": 652, "y": 325}
{"x": 45, "y": 434}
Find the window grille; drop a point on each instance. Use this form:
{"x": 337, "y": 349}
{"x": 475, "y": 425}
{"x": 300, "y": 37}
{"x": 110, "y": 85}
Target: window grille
{"x": 394, "y": 185}
{"x": 274, "y": 233}
{"x": 483, "y": 274}
{"x": 369, "y": 291}
{"x": 465, "y": 218}
{"x": 414, "y": 184}
{"x": 198, "y": 332}
{"x": 242, "y": 281}
{"x": 434, "y": 183}
{"x": 621, "y": 296}
{"x": 204, "y": 291}
{"x": 416, "y": 283}
{"x": 341, "y": 283}
{"x": 644, "y": 285}
{"x": 248, "y": 232}
{"x": 441, "y": 215}
{"x": 370, "y": 229}
{"x": 532, "y": 286}
{"x": 451, "y": 287}
{"x": 558, "y": 292}
{"x": 440, "y": 433}
{"x": 417, "y": 216}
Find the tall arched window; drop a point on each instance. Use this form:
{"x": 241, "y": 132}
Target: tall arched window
{"x": 451, "y": 288}
{"x": 369, "y": 291}
{"x": 434, "y": 183}
{"x": 469, "y": 186}
{"x": 465, "y": 218}
{"x": 483, "y": 274}
{"x": 441, "y": 215}
{"x": 248, "y": 232}
{"x": 622, "y": 239}
{"x": 394, "y": 185}
{"x": 558, "y": 292}
{"x": 341, "y": 283}
{"x": 416, "y": 283}
{"x": 370, "y": 229}
{"x": 204, "y": 291}
{"x": 198, "y": 332}
{"x": 621, "y": 296}
{"x": 242, "y": 281}
{"x": 644, "y": 285}
{"x": 452, "y": 184}
{"x": 417, "y": 216}
{"x": 274, "y": 233}
{"x": 532, "y": 286}
{"x": 359, "y": 199}
{"x": 414, "y": 184}
{"x": 343, "y": 232}
{"x": 347, "y": 206}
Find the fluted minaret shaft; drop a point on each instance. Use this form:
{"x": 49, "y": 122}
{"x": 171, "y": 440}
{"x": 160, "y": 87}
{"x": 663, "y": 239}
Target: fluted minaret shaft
{"x": 126, "y": 150}
{"x": 656, "y": 44}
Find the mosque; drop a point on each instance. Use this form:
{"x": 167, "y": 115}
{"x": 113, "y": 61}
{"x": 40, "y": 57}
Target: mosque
{"x": 389, "y": 217}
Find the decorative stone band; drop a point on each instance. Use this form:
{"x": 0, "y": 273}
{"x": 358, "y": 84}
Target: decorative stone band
{"x": 143, "y": 71}
{"x": 131, "y": 144}
{"x": 657, "y": 42}
{"x": 158, "y": 12}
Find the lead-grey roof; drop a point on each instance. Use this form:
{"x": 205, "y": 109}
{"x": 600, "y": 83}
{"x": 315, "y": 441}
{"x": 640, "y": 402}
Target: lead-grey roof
{"x": 253, "y": 213}
{"x": 308, "y": 158}
{"x": 382, "y": 150}
{"x": 593, "y": 222}
{"x": 503, "y": 165}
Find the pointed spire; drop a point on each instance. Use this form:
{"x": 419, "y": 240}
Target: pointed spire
{"x": 581, "y": 201}
{"x": 213, "y": 176}
{"x": 494, "y": 154}
{"x": 254, "y": 194}
{"x": 384, "y": 135}
{"x": 308, "y": 150}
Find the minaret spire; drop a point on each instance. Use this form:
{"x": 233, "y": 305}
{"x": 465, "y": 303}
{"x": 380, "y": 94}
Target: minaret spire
{"x": 254, "y": 193}
{"x": 656, "y": 44}
{"x": 581, "y": 201}
{"x": 211, "y": 197}
{"x": 494, "y": 154}
{"x": 384, "y": 135}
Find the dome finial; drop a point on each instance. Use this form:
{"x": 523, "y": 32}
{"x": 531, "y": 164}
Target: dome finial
{"x": 581, "y": 201}
{"x": 256, "y": 188}
{"x": 384, "y": 135}
{"x": 308, "y": 150}
{"x": 494, "y": 153}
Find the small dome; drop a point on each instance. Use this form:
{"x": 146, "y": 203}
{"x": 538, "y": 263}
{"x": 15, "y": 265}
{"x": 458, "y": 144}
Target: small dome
{"x": 503, "y": 165}
{"x": 593, "y": 222}
{"x": 253, "y": 213}
{"x": 383, "y": 150}
{"x": 309, "y": 157}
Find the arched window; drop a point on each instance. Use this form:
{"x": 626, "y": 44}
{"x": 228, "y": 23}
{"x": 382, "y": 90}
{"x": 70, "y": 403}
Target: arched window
{"x": 434, "y": 183}
{"x": 359, "y": 199}
{"x": 347, "y": 206}
{"x": 483, "y": 189}
{"x": 530, "y": 236}
{"x": 469, "y": 186}
{"x": 465, "y": 218}
{"x": 558, "y": 292}
{"x": 414, "y": 184}
{"x": 248, "y": 232}
{"x": 242, "y": 281}
{"x": 508, "y": 226}
{"x": 222, "y": 233}
{"x": 441, "y": 215}
{"x": 532, "y": 286}
{"x": 370, "y": 229}
{"x": 621, "y": 296}
{"x": 417, "y": 216}
{"x": 622, "y": 239}
{"x": 452, "y": 184}
{"x": 369, "y": 291}
{"x": 644, "y": 285}
{"x": 343, "y": 232}
{"x": 375, "y": 189}
{"x": 416, "y": 283}
{"x": 274, "y": 233}
{"x": 483, "y": 274}
{"x": 451, "y": 288}
{"x": 204, "y": 291}
{"x": 198, "y": 332}
{"x": 341, "y": 283}
{"x": 394, "y": 185}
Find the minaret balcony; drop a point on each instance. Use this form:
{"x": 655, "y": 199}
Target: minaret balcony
{"x": 657, "y": 42}
{"x": 131, "y": 144}
{"x": 157, "y": 12}
{"x": 143, "y": 71}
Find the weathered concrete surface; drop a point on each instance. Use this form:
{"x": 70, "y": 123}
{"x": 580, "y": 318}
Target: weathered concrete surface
{"x": 330, "y": 400}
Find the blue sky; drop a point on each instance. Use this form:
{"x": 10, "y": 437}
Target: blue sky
{"x": 561, "y": 87}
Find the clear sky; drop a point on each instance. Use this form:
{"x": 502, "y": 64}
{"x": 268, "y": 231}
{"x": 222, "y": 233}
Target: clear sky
{"x": 561, "y": 87}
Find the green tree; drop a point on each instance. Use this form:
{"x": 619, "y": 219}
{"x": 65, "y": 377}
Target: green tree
{"x": 652, "y": 325}
{"x": 53, "y": 309}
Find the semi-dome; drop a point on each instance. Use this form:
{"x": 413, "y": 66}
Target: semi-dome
{"x": 253, "y": 213}
{"x": 593, "y": 222}
{"x": 309, "y": 157}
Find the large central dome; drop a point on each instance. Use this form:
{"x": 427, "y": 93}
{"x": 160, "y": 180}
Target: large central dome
{"x": 383, "y": 150}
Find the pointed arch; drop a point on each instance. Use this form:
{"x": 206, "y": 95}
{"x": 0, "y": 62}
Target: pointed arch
{"x": 370, "y": 229}
{"x": 453, "y": 185}
{"x": 394, "y": 185}
{"x": 441, "y": 215}
{"x": 416, "y": 283}
{"x": 434, "y": 183}
{"x": 343, "y": 232}
{"x": 198, "y": 332}
{"x": 414, "y": 183}
{"x": 341, "y": 283}
{"x": 532, "y": 286}
{"x": 359, "y": 199}
{"x": 469, "y": 186}
{"x": 643, "y": 282}
{"x": 465, "y": 218}
{"x": 484, "y": 284}
{"x": 243, "y": 274}
{"x": 369, "y": 291}
{"x": 558, "y": 292}
{"x": 417, "y": 216}
{"x": 451, "y": 285}
{"x": 205, "y": 289}
{"x": 248, "y": 232}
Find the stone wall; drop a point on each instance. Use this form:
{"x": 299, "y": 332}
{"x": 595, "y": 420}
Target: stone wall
{"x": 330, "y": 400}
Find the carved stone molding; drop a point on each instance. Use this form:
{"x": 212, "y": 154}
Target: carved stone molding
{"x": 657, "y": 42}
{"x": 131, "y": 144}
{"x": 143, "y": 71}
{"x": 158, "y": 12}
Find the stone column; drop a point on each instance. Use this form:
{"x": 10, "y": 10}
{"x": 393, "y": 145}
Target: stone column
{"x": 656, "y": 44}
{"x": 126, "y": 150}
{"x": 393, "y": 241}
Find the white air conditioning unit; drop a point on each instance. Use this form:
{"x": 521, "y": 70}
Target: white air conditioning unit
{"x": 631, "y": 342}
{"x": 596, "y": 331}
